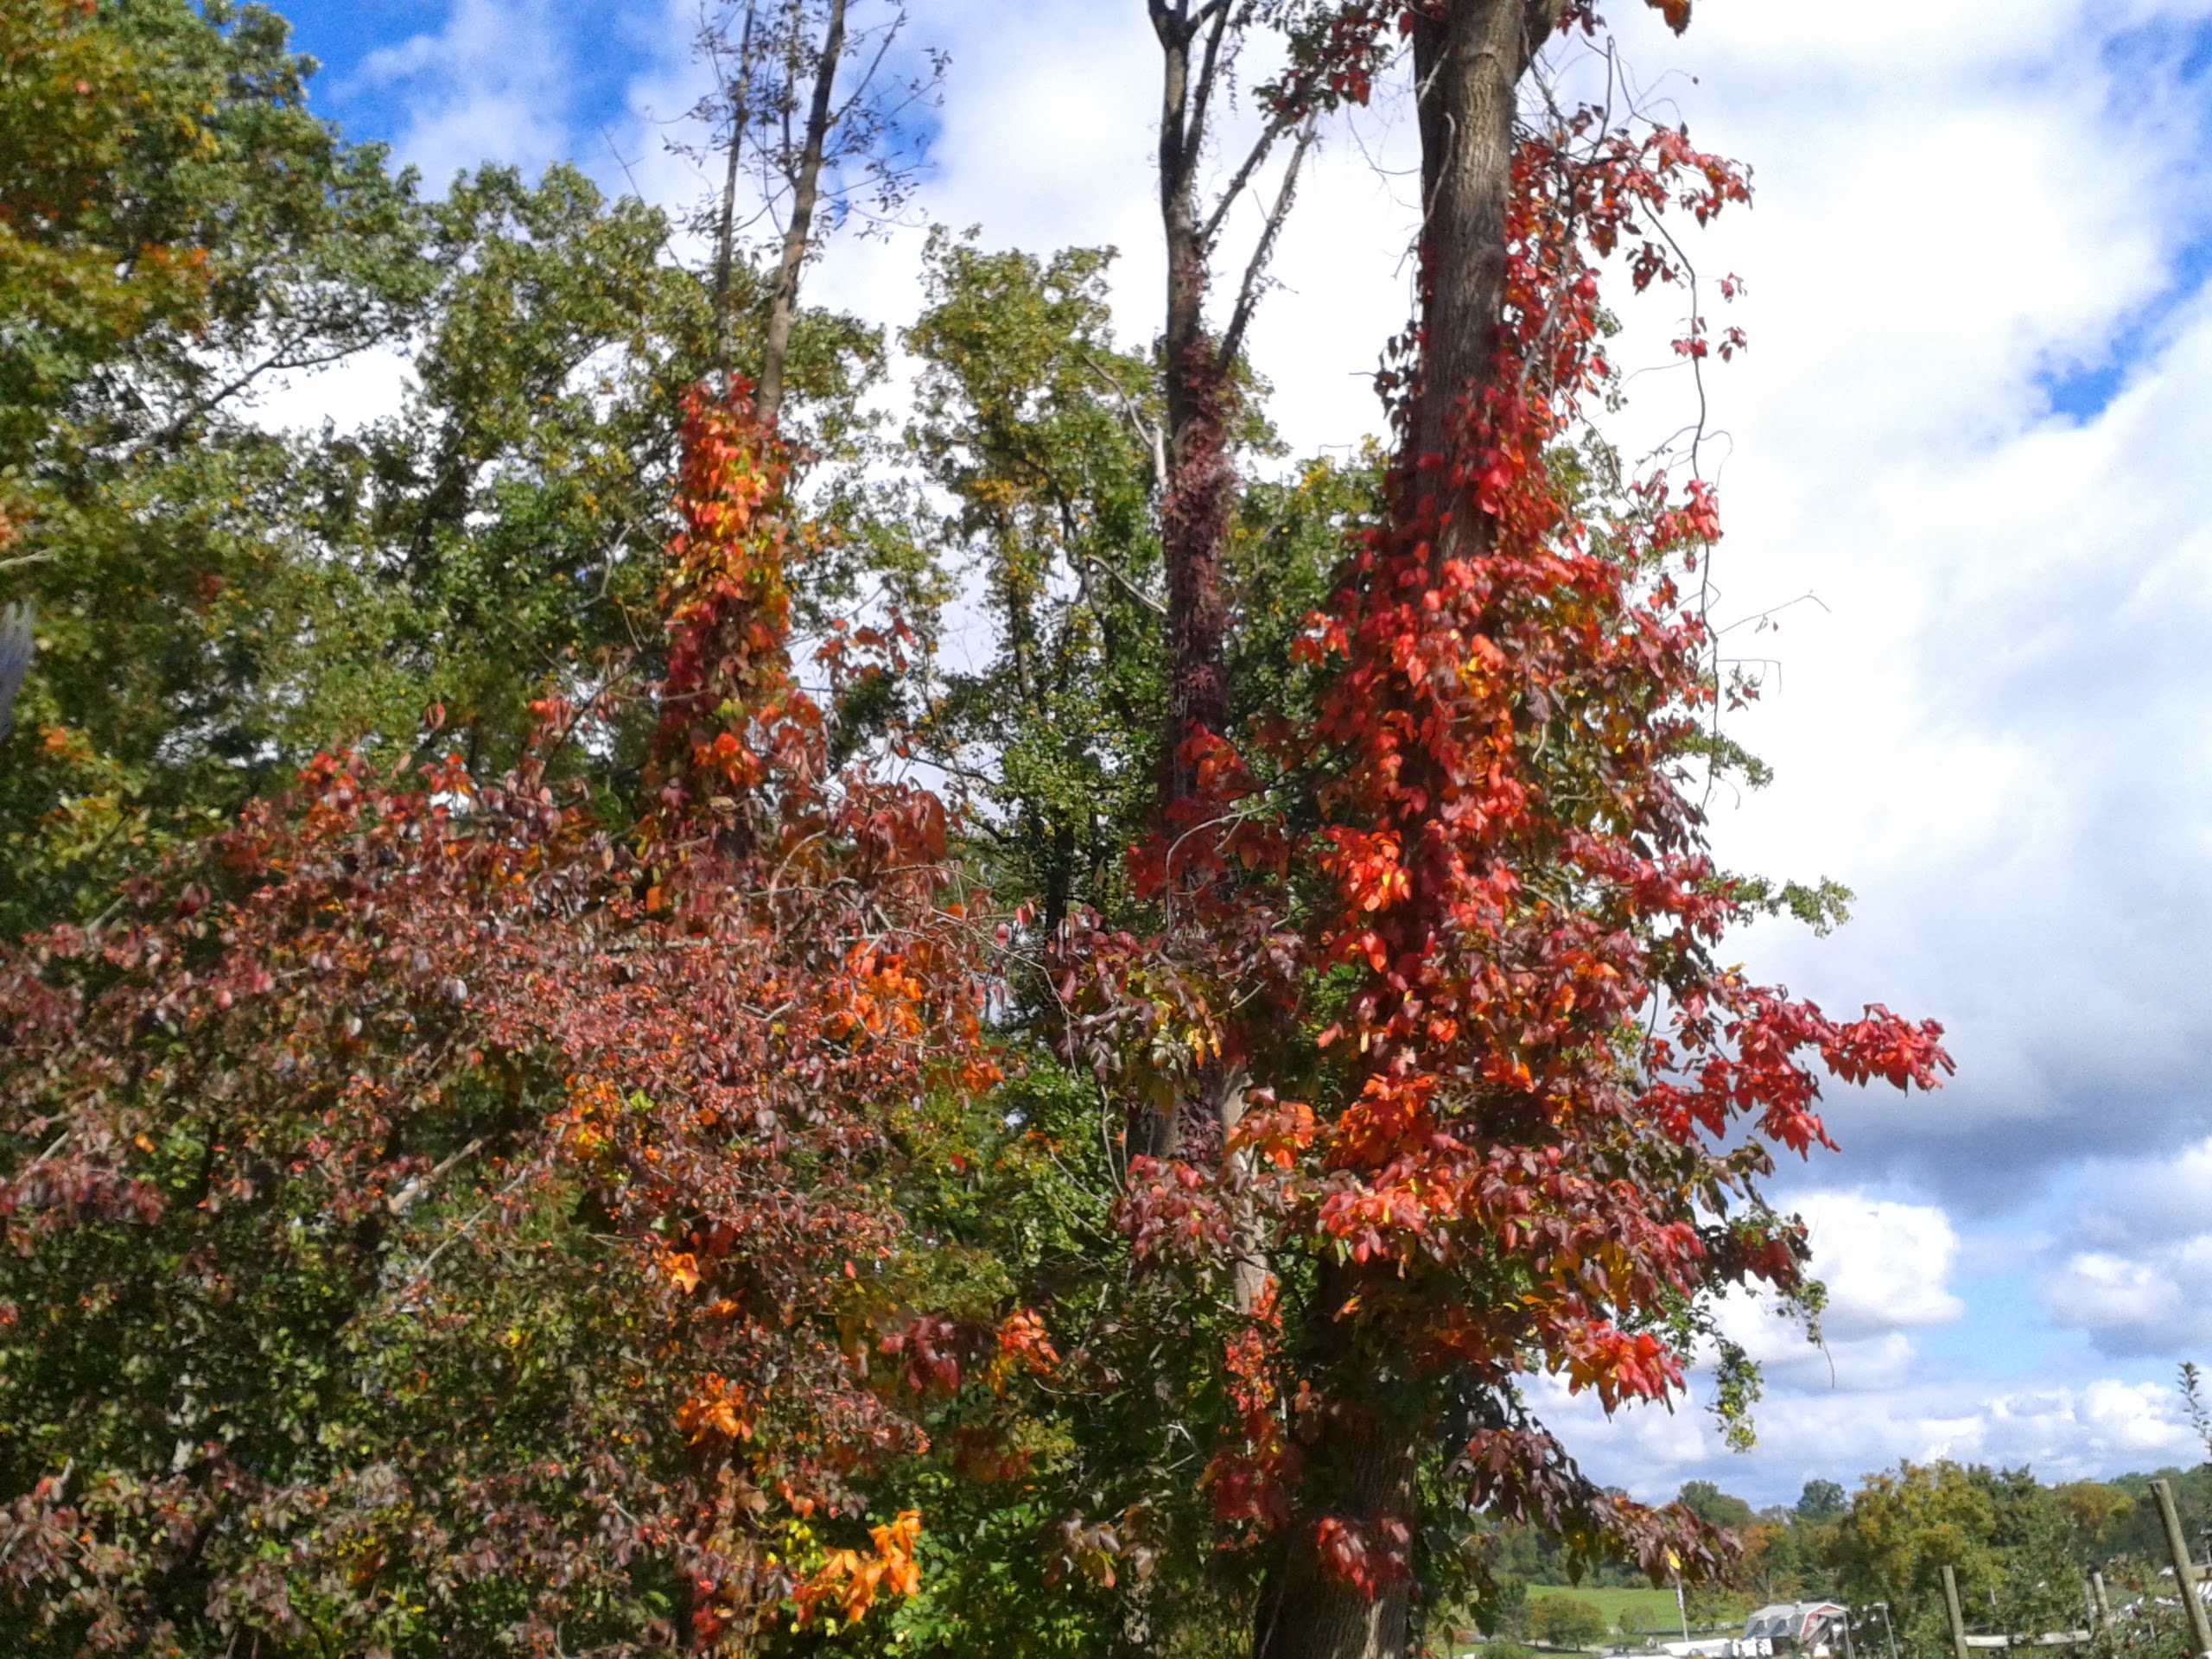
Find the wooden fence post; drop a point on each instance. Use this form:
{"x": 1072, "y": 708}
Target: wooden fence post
{"x": 2185, "y": 1568}
{"x": 1959, "y": 1648}
{"x": 1889, "y": 1628}
{"x": 2100, "y": 1604}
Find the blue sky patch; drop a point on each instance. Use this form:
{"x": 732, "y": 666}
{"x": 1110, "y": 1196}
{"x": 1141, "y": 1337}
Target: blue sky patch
{"x": 2161, "y": 58}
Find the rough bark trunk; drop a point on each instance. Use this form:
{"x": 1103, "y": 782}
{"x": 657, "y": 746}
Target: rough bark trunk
{"x": 1360, "y": 1471}
{"x": 1195, "y": 522}
{"x": 1251, "y": 1271}
{"x": 1468, "y": 58}
{"x": 806, "y": 184}
{"x": 1200, "y": 486}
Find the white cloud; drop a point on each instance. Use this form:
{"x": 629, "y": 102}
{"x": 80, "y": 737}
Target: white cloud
{"x": 2139, "y": 1277}
{"x": 1887, "y": 1266}
{"x": 1806, "y": 1433}
{"x": 2154, "y": 1201}
{"x": 492, "y": 85}
{"x": 2123, "y": 1300}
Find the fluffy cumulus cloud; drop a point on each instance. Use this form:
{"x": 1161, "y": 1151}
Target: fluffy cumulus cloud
{"x": 503, "y": 80}
{"x": 2062, "y": 1433}
{"x": 2136, "y": 1269}
{"x": 1886, "y": 1267}
{"x": 1869, "y": 1394}
{"x": 1971, "y": 429}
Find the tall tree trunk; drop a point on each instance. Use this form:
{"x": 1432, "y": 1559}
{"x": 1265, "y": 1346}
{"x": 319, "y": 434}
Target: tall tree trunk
{"x": 1200, "y": 486}
{"x": 726, "y": 231}
{"x": 1467, "y": 60}
{"x": 1468, "y": 57}
{"x": 806, "y": 191}
{"x": 1359, "y": 1471}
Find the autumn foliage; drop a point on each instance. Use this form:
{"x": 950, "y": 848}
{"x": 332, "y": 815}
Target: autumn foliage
{"x": 653, "y": 1197}
{"x": 1468, "y": 919}
{"x": 547, "y": 1152}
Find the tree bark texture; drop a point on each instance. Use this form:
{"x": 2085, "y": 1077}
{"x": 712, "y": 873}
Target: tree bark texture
{"x": 1469, "y": 56}
{"x": 1200, "y": 489}
{"x": 806, "y": 184}
{"x": 1360, "y": 1471}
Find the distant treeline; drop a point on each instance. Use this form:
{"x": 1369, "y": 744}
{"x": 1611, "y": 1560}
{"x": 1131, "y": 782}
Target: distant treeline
{"x": 2023, "y": 1550}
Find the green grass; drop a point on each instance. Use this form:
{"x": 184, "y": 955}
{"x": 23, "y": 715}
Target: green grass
{"x": 1639, "y": 1609}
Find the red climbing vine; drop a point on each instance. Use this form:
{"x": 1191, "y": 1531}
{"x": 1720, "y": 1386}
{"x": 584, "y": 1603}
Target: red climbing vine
{"x": 550, "y": 1153}
{"x": 1469, "y": 920}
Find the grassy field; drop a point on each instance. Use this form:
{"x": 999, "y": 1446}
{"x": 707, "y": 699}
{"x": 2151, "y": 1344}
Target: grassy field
{"x": 1636, "y": 1610}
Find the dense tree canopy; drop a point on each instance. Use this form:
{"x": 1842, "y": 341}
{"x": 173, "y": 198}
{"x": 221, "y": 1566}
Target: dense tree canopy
{"x": 220, "y": 600}
{"x": 454, "y": 1215}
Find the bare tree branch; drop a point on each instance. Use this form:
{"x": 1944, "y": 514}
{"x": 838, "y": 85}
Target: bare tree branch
{"x": 1149, "y": 431}
{"x": 1232, "y": 340}
{"x": 1262, "y": 148}
{"x": 806, "y": 183}
{"x": 740, "y": 91}
{"x": 1209, "y": 75}
{"x": 1121, "y": 579}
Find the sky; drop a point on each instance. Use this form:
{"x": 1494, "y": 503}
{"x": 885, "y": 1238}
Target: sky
{"x": 1963, "y": 468}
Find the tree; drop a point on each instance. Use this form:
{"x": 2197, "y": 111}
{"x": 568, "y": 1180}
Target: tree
{"x": 1332, "y": 54}
{"x": 1822, "y": 1500}
{"x": 1508, "y": 1112}
{"x": 2192, "y": 1395}
{"x": 1044, "y": 430}
{"x": 175, "y": 229}
{"x": 504, "y": 521}
{"x": 65, "y": 271}
{"x": 1063, "y": 1519}
{"x": 178, "y": 226}
{"x": 1787, "y": 1552}
{"x": 1198, "y": 44}
{"x": 1023, "y": 416}
{"x": 1328, "y": 64}
{"x": 568, "y": 1196}
{"x": 216, "y": 608}
{"x": 2003, "y": 1535}
{"x": 440, "y": 1219}
{"x": 779, "y": 118}
{"x": 1714, "y": 1507}
{"x": 1567, "y": 1622}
